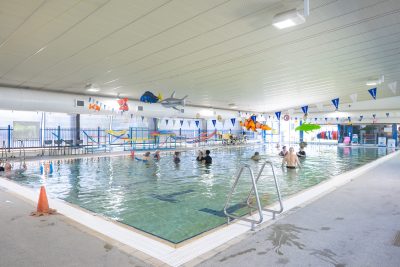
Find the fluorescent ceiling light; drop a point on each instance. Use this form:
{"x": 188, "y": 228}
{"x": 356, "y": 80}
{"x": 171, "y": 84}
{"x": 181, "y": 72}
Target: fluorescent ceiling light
{"x": 93, "y": 89}
{"x": 232, "y": 105}
{"x": 372, "y": 83}
{"x": 288, "y": 19}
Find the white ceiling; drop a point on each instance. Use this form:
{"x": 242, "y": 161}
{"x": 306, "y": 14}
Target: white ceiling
{"x": 216, "y": 51}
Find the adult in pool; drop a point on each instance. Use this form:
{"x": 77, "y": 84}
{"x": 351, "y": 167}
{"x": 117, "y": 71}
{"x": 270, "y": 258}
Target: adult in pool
{"x": 207, "y": 159}
{"x": 256, "y": 156}
{"x": 157, "y": 155}
{"x": 291, "y": 160}
{"x": 301, "y": 153}
{"x": 1, "y": 166}
{"x": 145, "y": 158}
{"x": 283, "y": 152}
{"x": 176, "y": 157}
{"x": 200, "y": 156}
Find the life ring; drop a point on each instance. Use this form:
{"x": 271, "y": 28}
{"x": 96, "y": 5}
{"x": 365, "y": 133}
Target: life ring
{"x": 286, "y": 117}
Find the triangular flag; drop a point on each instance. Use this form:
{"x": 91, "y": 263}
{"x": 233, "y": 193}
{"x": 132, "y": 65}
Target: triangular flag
{"x": 166, "y": 122}
{"x": 142, "y": 118}
{"x": 223, "y": 123}
{"x": 349, "y": 118}
{"x": 181, "y": 122}
{"x": 214, "y": 122}
{"x": 335, "y": 102}
{"x": 189, "y": 123}
{"x": 326, "y": 119}
{"x": 337, "y": 118}
{"x": 173, "y": 122}
{"x": 197, "y": 123}
{"x": 278, "y": 115}
{"x": 374, "y": 116}
{"x": 254, "y": 118}
{"x": 387, "y": 114}
{"x": 393, "y": 87}
{"x": 305, "y": 109}
{"x": 233, "y": 120}
{"x": 372, "y": 92}
{"x": 353, "y": 97}
{"x": 361, "y": 117}
{"x": 320, "y": 107}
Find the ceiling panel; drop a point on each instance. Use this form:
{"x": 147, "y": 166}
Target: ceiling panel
{"x": 216, "y": 51}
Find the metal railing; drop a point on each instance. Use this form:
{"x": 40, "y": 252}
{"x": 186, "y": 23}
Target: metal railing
{"x": 254, "y": 191}
{"x": 230, "y": 215}
{"x": 278, "y": 192}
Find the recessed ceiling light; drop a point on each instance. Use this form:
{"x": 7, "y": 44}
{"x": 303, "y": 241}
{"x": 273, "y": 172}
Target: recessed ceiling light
{"x": 288, "y": 19}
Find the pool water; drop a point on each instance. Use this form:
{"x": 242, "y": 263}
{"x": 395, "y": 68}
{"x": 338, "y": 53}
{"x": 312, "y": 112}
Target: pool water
{"x": 177, "y": 202}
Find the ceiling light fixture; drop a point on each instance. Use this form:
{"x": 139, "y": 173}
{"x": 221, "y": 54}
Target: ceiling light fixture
{"x": 291, "y": 17}
{"x": 91, "y": 88}
{"x": 373, "y": 82}
{"x": 232, "y": 105}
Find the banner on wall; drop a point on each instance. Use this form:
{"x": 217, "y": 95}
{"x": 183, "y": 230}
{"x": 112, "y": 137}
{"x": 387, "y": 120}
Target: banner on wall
{"x": 214, "y": 122}
{"x": 197, "y": 123}
{"x": 278, "y": 115}
{"x": 305, "y": 109}
{"x": 372, "y": 92}
{"x": 335, "y": 102}
{"x": 23, "y": 130}
{"x": 233, "y": 120}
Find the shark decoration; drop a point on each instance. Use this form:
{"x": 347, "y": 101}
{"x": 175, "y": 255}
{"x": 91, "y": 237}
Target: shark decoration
{"x": 308, "y": 127}
{"x": 173, "y": 102}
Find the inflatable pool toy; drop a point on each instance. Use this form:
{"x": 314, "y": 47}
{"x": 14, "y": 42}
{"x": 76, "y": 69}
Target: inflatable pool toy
{"x": 123, "y": 104}
{"x": 251, "y": 124}
{"x": 173, "y": 102}
{"x": 308, "y": 127}
{"x": 94, "y": 106}
{"x": 149, "y": 97}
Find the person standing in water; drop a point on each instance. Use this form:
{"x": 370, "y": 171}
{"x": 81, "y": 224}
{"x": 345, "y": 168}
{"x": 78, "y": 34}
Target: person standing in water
{"x": 200, "y": 156}
{"x": 176, "y": 157}
{"x": 283, "y": 152}
{"x": 291, "y": 160}
{"x": 207, "y": 159}
{"x": 256, "y": 156}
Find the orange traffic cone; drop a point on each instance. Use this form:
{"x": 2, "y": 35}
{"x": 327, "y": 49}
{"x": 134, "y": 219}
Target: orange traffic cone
{"x": 43, "y": 205}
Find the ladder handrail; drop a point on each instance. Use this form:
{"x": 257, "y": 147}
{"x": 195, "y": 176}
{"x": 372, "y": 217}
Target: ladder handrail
{"x": 276, "y": 186}
{"x": 21, "y": 152}
{"x": 256, "y": 193}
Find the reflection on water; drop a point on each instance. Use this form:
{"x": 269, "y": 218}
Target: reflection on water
{"x": 179, "y": 201}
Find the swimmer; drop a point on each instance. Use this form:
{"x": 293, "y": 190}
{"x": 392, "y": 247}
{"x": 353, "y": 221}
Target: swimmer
{"x": 157, "y": 155}
{"x": 301, "y": 153}
{"x": 291, "y": 160}
{"x": 283, "y": 152}
{"x": 256, "y": 156}
{"x": 7, "y": 167}
{"x": 200, "y": 156}
{"x": 207, "y": 159}
{"x": 176, "y": 157}
{"x": 146, "y": 156}
{"x": 1, "y": 166}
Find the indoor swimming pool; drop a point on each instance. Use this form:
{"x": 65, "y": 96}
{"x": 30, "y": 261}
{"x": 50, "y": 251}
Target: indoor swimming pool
{"x": 176, "y": 202}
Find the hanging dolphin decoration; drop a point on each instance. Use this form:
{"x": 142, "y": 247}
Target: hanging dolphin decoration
{"x": 308, "y": 127}
{"x": 173, "y": 102}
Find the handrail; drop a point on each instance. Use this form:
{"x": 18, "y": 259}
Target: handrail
{"x": 229, "y": 215}
{"x": 22, "y": 154}
{"x": 274, "y": 212}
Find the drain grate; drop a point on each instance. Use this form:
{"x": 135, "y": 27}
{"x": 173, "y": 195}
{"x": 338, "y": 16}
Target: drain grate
{"x": 396, "y": 241}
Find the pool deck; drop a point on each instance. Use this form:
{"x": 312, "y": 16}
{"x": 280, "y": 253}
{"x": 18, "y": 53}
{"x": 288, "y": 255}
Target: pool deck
{"x": 355, "y": 225}
{"x": 358, "y": 230}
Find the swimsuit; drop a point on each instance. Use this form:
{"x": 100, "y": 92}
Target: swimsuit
{"x": 291, "y": 167}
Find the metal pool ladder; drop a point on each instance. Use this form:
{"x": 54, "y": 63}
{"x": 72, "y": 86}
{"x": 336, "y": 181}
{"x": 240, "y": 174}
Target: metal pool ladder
{"x": 254, "y": 191}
